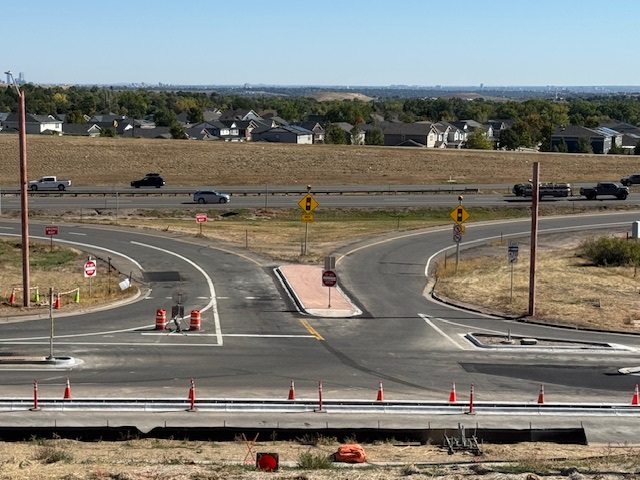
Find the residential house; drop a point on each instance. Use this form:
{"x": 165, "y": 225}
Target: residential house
{"x": 245, "y": 127}
{"x": 283, "y": 134}
{"x": 34, "y": 123}
{"x": 240, "y": 114}
{"x": 82, "y": 129}
{"x": 600, "y": 138}
{"x": 215, "y": 130}
{"x": 410, "y": 134}
{"x": 315, "y": 127}
{"x": 354, "y": 136}
{"x": 452, "y": 136}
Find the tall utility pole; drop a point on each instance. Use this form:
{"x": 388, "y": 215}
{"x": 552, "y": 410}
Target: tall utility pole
{"x": 535, "y": 191}
{"x": 24, "y": 206}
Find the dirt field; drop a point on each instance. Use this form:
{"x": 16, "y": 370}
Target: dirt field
{"x": 116, "y": 161}
{"x": 168, "y": 460}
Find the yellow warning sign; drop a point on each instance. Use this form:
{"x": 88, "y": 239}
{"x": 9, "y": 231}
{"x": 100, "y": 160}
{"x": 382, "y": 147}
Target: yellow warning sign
{"x": 307, "y": 217}
{"x": 459, "y": 215}
{"x": 308, "y": 204}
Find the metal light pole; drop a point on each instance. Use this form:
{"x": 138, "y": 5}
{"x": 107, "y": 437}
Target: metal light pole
{"x": 24, "y": 207}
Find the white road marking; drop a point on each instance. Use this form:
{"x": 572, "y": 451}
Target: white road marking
{"x": 78, "y": 233}
{"x": 427, "y": 319}
{"x": 212, "y": 302}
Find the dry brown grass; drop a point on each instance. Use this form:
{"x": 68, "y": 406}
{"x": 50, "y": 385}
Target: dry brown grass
{"x": 568, "y": 289}
{"x": 64, "y": 279}
{"x": 173, "y": 459}
{"x": 116, "y": 161}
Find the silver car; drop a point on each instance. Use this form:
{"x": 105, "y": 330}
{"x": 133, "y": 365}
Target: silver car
{"x": 210, "y": 196}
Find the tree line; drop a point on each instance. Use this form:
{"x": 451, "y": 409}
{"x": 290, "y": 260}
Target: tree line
{"x": 533, "y": 121}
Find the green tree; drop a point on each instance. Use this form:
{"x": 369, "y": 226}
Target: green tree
{"x": 178, "y": 132}
{"x": 615, "y": 149}
{"x": 336, "y": 135}
{"x": 562, "y": 146}
{"x": 584, "y": 145}
{"x": 165, "y": 118}
{"x": 375, "y": 136}
{"x": 478, "y": 140}
{"x": 108, "y": 132}
{"x": 509, "y": 139}
{"x": 75, "y": 116}
{"x": 195, "y": 115}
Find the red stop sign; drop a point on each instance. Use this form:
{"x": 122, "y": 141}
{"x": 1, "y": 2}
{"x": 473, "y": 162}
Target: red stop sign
{"x": 329, "y": 278}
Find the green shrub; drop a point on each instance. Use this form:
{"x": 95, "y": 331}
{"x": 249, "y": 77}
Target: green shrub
{"x": 611, "y": 251}
{"x": 315, "y": 461}
{"x": 52, "y": 455}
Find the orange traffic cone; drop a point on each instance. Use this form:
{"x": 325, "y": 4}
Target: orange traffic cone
{"x": 380, "y": 397}
{"x": 56, "y": 305}
{"x": 453, "y": 398}
{"x": 12, "y": 298}
{"x": 636, "y": 397}
{"x": 541, "y": 394}
{"x": 292, "y": 392}
{"x": 67, "y": 391}
{"x": 192, "y": 396}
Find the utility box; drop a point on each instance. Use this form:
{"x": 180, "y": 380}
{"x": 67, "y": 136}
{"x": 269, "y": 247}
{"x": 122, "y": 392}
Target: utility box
{"x": 635, "y": 230}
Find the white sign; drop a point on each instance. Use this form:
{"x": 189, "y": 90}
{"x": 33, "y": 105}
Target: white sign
{"x": 124, "y": 284}
{"x": 90, "y": 269}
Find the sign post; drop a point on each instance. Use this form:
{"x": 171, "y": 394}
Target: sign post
{"x": 458, "y": 215}
{"x": 513, "y": 258}
{"x": 51, "y": 230}
{"x": 308, "y": 204}
{"x": 329, "y": 279}
{"x": 200, "y": 219}
{"x": 90, "y": 270}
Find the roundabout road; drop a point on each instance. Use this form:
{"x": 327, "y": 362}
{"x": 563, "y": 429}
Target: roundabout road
{"x": 253, "y": 341}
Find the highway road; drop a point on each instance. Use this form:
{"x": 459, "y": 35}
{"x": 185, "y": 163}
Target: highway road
{"x": 357, "y": 196}
{"x": 254, "y": 341}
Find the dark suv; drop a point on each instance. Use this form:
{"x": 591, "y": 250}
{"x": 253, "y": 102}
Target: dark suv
{"x": 630, "y": 180}
{"x": 149, "y": 180}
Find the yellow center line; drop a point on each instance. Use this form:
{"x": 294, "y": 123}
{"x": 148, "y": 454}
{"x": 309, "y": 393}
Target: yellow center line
{"x": 311, "y": 330}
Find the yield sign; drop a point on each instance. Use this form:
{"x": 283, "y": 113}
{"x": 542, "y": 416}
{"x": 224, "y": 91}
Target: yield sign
{"x": 459, "y": 215}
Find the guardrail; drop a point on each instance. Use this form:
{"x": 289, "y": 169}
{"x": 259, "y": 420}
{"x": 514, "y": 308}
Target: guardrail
{"x": 248, "y": 192}
{"x": 237, "y": 405}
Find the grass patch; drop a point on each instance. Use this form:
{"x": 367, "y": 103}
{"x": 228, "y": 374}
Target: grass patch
{"x": 315, "y": 439}
{"x": 51, "y": 454}
{"x": 314, "y": 461}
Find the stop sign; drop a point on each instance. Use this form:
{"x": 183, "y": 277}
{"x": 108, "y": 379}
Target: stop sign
{"x": 329, "y": 278}
{"x": 90, "y": 268}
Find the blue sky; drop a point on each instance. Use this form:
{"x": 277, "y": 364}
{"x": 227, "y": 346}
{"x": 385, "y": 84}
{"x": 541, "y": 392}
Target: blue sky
{"x": 286, "y": 42}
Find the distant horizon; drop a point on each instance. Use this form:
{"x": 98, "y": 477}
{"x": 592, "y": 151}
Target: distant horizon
{"x": 338, "y": 86}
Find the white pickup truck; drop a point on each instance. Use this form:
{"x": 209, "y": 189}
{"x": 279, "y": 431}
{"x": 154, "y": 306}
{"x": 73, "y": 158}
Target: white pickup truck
{"x": 49, "y": 183}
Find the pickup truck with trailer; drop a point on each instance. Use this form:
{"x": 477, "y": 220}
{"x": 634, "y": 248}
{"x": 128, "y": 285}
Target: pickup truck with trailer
{"x": 544, "y": 190}
{"x": 605, "y": 188}
{"x": 49, "y": 183}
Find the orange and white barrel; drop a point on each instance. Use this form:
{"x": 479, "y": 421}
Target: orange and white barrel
{"x": 161, "y": 319}
{"x": 195, "y": 320}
